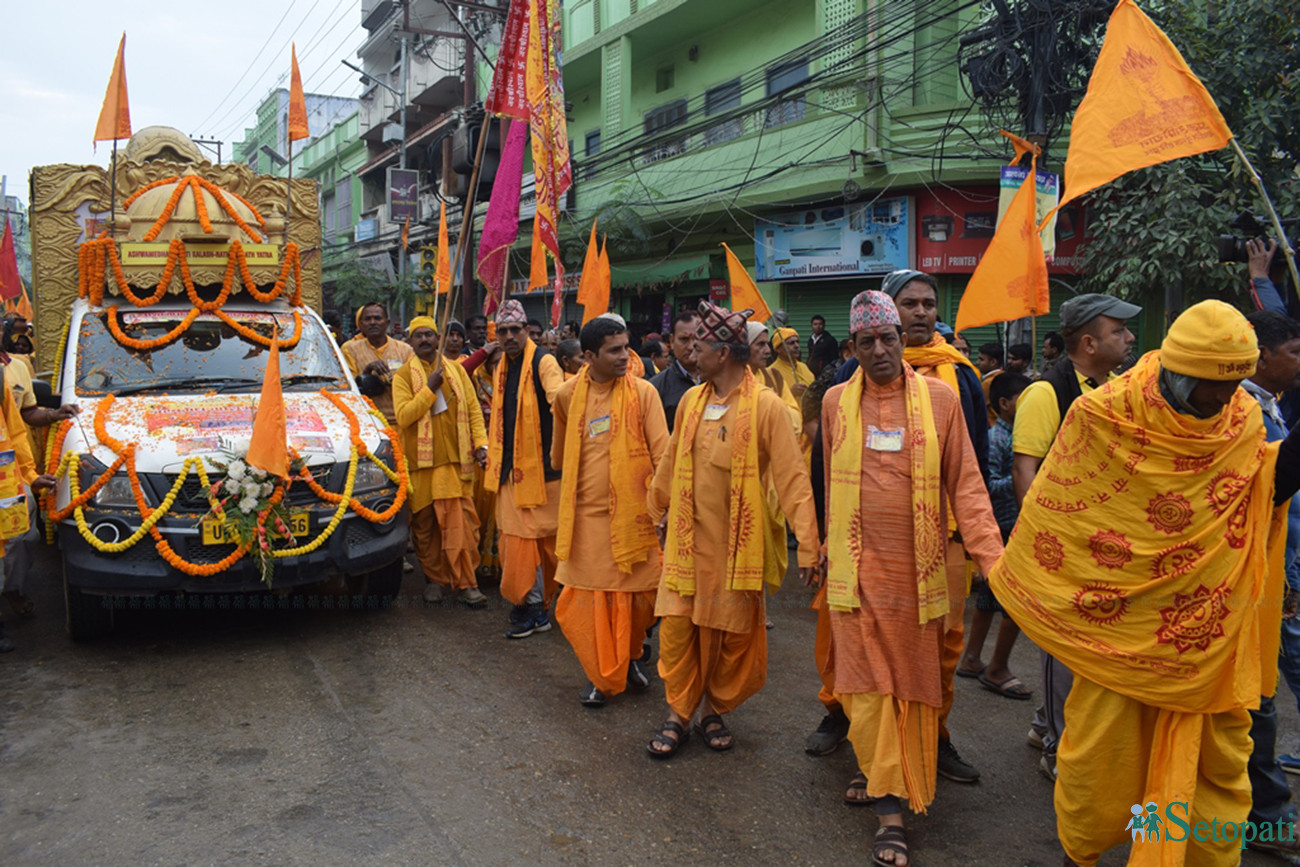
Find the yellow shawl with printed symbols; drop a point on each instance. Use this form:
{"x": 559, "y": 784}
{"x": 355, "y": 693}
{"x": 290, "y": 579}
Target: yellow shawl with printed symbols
{"x": 424, "y": 432}
{"x": 844, "y": 513}
{"x": 632, "y": 535}
{"x": 1147, "y": 553}
{"x": 745, "y": 560}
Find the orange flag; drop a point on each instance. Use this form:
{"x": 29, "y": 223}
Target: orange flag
{"x": 537, "y": 261}
{"x": 297, "y": 104}
{"x": 406, "y": 233}
{"x": 744, "y": 294}
{"x": 24, "y": 306}
{"x": 11, "y": 284}
{"x": 1011, "y": 280}
{"x": 115, "y": 117}
{"x": 268, "y": 448}
{"x": 442, "y": 275}
{"x": 1143, "y": 106}
{"x": 593, "y": 291}
{"x": 606, "y": 277}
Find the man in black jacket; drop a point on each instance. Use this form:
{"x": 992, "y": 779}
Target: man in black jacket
{"x": 679, "y": 376}
{"x": 823, "y": 349}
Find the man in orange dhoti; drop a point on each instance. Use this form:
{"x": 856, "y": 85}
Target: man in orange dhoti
{"x": 1142, "y": 561}
{"x": 899, "y": 461}
{"x": 443, "y": 438}
{"x": 609, "y": 436}
{"x": 708, "y": 499}
{"x": 519, "y": 470}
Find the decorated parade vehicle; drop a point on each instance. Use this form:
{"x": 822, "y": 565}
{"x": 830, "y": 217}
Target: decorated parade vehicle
{"x": 165, "y": 282}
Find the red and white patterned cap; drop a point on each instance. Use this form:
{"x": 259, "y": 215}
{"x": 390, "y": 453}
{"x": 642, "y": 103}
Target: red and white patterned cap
{"x": 512, "y": 313}
{"x": 872, "y": 309}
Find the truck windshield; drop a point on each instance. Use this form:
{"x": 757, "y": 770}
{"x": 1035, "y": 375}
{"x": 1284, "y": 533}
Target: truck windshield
{"x": 210, "y": 356}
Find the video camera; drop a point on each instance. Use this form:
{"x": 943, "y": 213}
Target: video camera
{"x": 1232, "y": 248}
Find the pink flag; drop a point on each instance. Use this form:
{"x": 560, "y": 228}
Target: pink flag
{"x": 501, "y": 226}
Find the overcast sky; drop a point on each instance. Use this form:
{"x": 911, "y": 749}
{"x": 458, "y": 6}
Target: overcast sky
{"x": 202, "y": 68}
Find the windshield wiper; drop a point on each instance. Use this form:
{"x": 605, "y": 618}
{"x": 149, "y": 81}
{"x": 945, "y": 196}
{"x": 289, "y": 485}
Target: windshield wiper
{"x": 301, "y": 378}
{"x": 184, "y": 381}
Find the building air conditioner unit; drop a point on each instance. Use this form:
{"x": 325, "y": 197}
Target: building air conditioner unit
{"x": 393, "y": 132}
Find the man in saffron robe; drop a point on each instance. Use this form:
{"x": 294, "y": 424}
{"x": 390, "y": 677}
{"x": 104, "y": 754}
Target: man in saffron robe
{"x": 519, "y": 470}
{"x": 373, "y": 352}
{"x": 708, "y": 499}
{"x": 1142, "y": 561}
{"x": 899, "y": 464}
{"x": 609, "y": 436}
{"x": 443, "y": 438}
{"x": 797, "y": 375}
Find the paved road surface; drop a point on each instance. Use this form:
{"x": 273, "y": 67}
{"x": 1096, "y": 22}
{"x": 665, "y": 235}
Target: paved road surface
{"x": 420, "y": 735}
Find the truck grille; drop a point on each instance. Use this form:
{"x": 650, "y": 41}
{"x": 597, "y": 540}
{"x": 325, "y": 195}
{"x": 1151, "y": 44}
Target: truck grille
{"x": 193, "y": 497}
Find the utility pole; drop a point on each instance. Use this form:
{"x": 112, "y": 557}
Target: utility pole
{"x": 401, "y": 164}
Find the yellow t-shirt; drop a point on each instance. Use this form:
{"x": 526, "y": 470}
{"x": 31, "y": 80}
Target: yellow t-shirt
{"x": 19, "y": 379}
{"x": 1038, "y": 417}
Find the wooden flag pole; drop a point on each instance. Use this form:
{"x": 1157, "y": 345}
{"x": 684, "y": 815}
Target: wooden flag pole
{"x": 466, "y": 226}
{"x": 112, "y": 195}
{"x": 1268, "y": 203}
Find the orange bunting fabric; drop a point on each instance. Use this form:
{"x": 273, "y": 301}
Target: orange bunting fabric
{"x": 537, "y": 261}
{"x": 1143, "y": 106}
{"x": 745, "y": 561}
{"x": 589, "y": 289}
{"x": 744, "y": 294}
{"x": 442, "y": 272}
{"x": 269, "y": 449}
{"x": 1010, "y": 281}
{"x": 632, "y": 535}
{"x": 1141, "y": 555}
{"x": 297, "y": 103}
{"x": 115, "y": 117}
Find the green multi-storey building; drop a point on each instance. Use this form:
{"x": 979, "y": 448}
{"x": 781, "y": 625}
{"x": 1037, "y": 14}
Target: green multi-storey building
{"x": 826, "y": 141}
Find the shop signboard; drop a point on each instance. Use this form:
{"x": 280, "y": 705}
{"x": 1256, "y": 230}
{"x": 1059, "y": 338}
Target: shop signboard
{"x": 835, "y": 241}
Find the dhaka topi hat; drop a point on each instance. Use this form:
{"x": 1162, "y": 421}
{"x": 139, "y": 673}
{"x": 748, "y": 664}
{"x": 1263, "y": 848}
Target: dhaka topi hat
{"x": 872, "y": 309}
{"x": 720, "y": 325}
{"x": 511, "y": 313}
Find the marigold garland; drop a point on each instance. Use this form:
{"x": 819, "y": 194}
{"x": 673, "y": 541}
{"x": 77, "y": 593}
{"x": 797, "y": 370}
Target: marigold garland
{"x": 249, "y": 334}
{"x": 197, "y": 185}
{"x": 132, "y": 343}
{"x": 69, "y": 463}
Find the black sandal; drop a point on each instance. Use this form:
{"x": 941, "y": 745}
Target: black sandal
{"x": 858, "y": 784}
{"x": 890, "y": 838}
{"x": 710, "y": 735}
{"x": 661, "y": 739}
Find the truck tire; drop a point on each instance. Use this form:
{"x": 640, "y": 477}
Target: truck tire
{"x": 89, "y": 617}
{"x": 378, "y": 588}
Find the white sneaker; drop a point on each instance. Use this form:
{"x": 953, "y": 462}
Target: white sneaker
{"x": 407, "y": 566}
{"x": 432, "y": 593}
{"x": 1034, "y": 739}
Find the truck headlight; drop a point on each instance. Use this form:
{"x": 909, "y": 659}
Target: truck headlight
{"x": 116, "y": 493}
{"x": 369, "y": 475}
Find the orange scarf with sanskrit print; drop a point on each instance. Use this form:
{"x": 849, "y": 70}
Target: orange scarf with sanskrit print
{"x": 745, "y": 548}
{"x": 1147, "y": 557}
{"x": 844, "y": 513}
{"x": 424, "y": 432}
{"x": 631, "y": 533}
{"x": 529, "y": 473}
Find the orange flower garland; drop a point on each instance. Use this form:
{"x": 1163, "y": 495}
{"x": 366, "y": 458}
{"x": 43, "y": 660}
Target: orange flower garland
{"x": 196, "y": 186}
{"x": 249, "y": 334}
{"x": 144, "y": 345}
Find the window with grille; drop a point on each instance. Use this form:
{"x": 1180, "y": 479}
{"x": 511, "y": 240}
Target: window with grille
{"x": 781, "y": 78}
{"x": 663, "y": 118}
{"x": 719, "y": 100}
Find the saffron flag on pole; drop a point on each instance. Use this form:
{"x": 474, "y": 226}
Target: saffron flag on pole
{"x": 1143, "y": 106}
{"x": 268, "y": 448}
{"x": 297, "y": 103}
{"x": 552, "y": 172}
{"x": 24, "y": 306}
{"x": 442, "y": 272}
{"x": 11, "y": 285}
{"x": 744, "y": 294}
{"x": 1010, "y": 282}
{"x": 406, "y": 233}
{"x": 593, "y": 291}
{"x": 537, "y": 261}
{"x": 501, "y": 226}
{"x": 605, "y": 276}
{"x": 115, "y": 117}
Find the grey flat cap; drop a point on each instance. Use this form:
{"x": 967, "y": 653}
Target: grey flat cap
{"x": 1082, "y": 309}
{"x": 895, "y": 281}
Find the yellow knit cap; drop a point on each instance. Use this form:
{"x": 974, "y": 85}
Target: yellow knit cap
{"x": 1210, "y": 340}
{"x": 781, "y": 335}
{"x": 422, "y": 322}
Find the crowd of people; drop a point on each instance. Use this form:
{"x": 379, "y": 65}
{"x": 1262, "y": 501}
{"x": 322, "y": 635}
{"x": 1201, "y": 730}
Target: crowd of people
{"x": 1124, "y": 522}
{"x": 1141, "y": 528}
